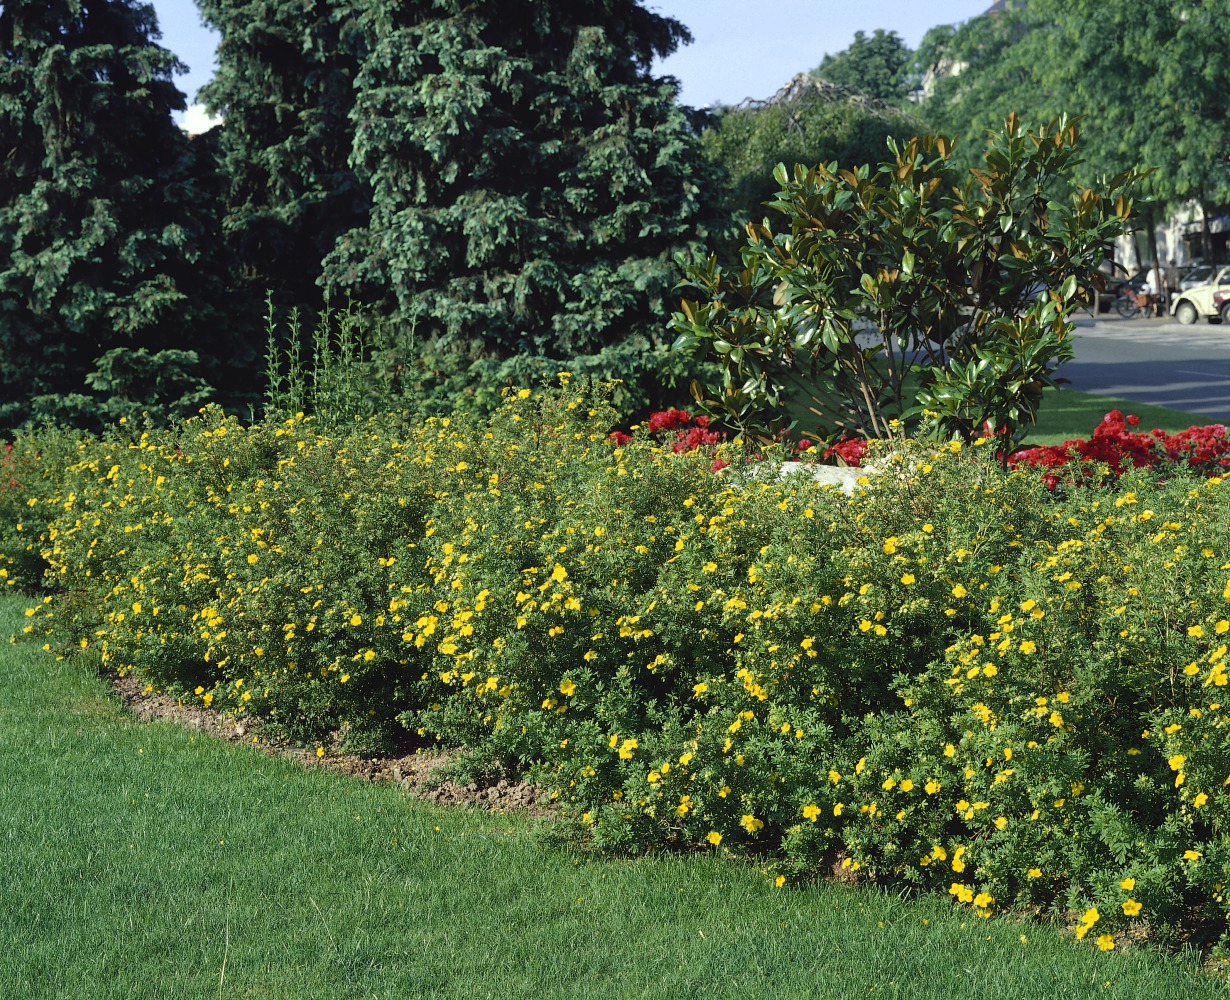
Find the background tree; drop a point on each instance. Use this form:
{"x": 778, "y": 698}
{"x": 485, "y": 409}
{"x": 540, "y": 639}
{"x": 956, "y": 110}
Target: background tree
{"x": 977, "y": 73}
{"x": 531, "y": 183}
{"x": 285, "y": 87}
{"x": 878, "y": 66}
{"x": 809, "y": 121}
{"x": 1151, "y": 88}
{"x": 105, "y": 250}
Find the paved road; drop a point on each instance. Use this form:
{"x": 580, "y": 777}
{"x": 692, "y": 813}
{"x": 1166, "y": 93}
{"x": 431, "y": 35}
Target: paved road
{"x": 1154, "y": 361}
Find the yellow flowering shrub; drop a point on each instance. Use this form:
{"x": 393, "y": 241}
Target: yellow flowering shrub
{"x": 955, "y": 677}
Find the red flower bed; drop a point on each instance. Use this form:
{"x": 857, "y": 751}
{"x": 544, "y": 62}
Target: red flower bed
{"x": 1202, "y": 449}
{"x": 1114, "y": 442}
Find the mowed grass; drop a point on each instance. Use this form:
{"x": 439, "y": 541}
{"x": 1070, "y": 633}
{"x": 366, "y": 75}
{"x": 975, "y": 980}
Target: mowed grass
{"x": 144, "y": 860}
{"x": 1066, "y": 414}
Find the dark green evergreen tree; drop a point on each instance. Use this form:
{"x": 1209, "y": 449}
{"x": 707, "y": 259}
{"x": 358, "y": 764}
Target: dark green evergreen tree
{"x": 531, "y": 183}
{"x": 105, "y": 266}
{"x": 285, "y": 87}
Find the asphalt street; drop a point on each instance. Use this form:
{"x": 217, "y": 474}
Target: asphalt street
{"x": 1154, "y": 361}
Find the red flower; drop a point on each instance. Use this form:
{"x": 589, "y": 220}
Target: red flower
{"x": 850, "y": 450}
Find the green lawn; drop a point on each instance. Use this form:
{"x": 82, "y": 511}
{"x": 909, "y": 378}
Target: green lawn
{"x": 1067, "y": 414}
{"x": 143, "y": 860}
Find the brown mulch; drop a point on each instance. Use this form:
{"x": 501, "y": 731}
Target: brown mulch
{"x": 415, "y": 772}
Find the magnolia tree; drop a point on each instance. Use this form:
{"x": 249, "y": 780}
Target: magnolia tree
{"x": 913, "y": 298}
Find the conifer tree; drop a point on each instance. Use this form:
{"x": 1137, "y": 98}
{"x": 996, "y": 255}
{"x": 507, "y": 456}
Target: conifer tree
{"x": 284, "y": 86}
{"x": 104, "y": 237}
{"x": 531, "y": 183}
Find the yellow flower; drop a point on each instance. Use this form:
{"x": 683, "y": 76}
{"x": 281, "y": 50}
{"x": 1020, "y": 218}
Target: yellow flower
{"x": 356, "y": 621}
{"x": 1177, "y": 761}
{"x": 714, "y": 838}
{"x": 567, "y": 687}
{"x": 950, "y": 750}
{"x": 907, "y": 785}
{"x": 1131, "y": 908}
{"x": 1028, "y": 647}
{"x": 780, "y": 881}
{"x": 932, "y": 787}
{"x": 750, "y": 823}
{"x": 1190, "y": 855}
{"x": 837, "y": 809}
{"x": 907, "y": 578}
{"x": 1035, "y": 873}
{"x": 320, "y": 751}
{"x": 1128, "y": 883}
{"x": 811, "y": 812}
{"x": 1200, "y": 800}
{"x": 959, "y": 591}
{"x": 1195, "y": 631}
{"x": 1091, "y": 916}
{"x": 253, "y": 558}
{"x": 1106, "y": 942}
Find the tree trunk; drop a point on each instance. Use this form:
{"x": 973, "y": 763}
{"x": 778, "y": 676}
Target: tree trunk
{"x": 1155, "y": 272}
{"x": 1206, "y": 236}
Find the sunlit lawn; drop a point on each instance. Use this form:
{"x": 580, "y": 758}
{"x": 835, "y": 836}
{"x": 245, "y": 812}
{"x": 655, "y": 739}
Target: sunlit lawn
{"x": 1067, "y": 414}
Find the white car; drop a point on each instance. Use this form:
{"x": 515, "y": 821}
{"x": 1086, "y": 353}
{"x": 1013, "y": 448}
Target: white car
{"x": 1198, "y": 301}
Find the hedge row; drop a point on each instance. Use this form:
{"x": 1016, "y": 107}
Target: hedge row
{"x": 958, "y": 678}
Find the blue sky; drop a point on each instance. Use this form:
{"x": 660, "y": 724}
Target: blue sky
{"x": 741, "y": 48}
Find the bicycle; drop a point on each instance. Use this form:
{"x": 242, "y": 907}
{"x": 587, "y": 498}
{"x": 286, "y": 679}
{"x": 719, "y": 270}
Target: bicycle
{"x": 1132, "y": 304}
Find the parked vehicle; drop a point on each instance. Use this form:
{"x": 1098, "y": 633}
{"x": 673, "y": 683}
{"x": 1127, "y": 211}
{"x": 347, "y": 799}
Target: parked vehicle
{"x": 1198, "y": 274}
{"x": 1198, "y": 301}
{"x": 1221, "y": 302}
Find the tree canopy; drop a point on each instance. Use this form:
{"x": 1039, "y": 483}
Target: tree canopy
{"x": 285, "y": 87}
{"x": 878, "y": 66}
{"x": 107, "y": 279}
{"x": 503, "y": 182}
{"x": 809, "y": 121}
{"x": 1151, "y": 88}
